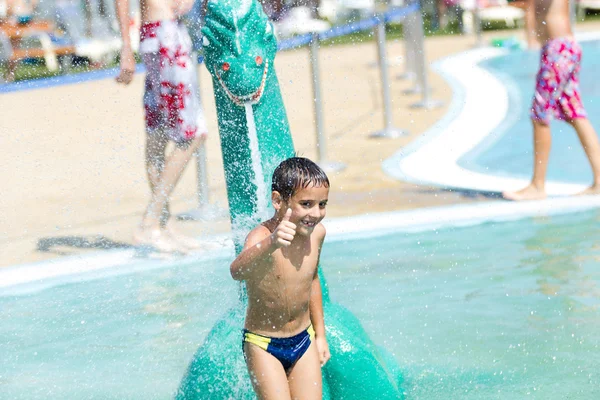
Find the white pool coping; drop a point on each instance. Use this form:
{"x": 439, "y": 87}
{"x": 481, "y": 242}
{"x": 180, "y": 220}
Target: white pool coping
{"x": 433, "y": 158}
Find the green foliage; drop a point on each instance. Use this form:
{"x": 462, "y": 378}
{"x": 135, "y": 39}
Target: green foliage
{"x": 36, "y": 69}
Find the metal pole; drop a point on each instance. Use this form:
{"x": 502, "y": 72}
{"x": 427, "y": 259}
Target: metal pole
{"x": 205, "y": 211}
{"x": 409, "y": 50}
{"x": 411, "y": 41}
{"x": 202, "y": 176}
{"x": 389, "y": 131}
{"x": 382, "y": 6}
{"x": 426, "y": 102}
{"x": 478, "y": 27}
{"x": 573, "y": 11}
{"x": 328, "y": 166}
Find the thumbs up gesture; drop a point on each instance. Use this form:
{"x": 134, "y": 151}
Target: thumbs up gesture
{"x": 285, "y": 231}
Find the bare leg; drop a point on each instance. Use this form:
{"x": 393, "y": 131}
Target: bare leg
{"x": 542, "y": 141}
{"x": 167, "y": 223}
{"x": 149, "y": 233}
{"x": 156, "y": 149}
{"x": 267, "y": 374}
{"x": 589, "y": 141}
{"x": 173, "y": 168}
{"x": 163, "y": 175}
{"x": 305, "y": 378}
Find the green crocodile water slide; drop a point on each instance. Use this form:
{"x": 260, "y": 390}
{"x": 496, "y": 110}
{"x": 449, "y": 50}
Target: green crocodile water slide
{"x": 240, "y": 48}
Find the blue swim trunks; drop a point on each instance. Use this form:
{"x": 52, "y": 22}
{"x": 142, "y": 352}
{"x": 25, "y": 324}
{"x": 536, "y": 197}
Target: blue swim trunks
{"x": 286, "y": 350}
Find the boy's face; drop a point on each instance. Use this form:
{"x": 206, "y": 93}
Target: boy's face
{"x": 308, "y": 208}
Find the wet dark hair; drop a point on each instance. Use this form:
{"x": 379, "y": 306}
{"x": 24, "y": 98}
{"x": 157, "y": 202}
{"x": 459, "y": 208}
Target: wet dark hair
{"x": 295, "y": 173}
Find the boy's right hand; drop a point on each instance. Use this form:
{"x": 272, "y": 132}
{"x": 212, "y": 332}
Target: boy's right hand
{"x": 285, "y": 231}
{"x": 127, "y": 66}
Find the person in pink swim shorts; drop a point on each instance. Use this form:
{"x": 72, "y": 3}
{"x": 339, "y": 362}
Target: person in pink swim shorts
{"x": 556, "y": 94}
{"x": 171, "y": 98}
{"x": 173, "y": 111}
{"x": 557, "y": 88}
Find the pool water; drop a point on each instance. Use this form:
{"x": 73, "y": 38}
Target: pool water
{"x": 508, "y": 150}
{"x": 499, "y": 310}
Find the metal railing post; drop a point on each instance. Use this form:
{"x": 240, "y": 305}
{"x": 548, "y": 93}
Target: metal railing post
{"x": 328, "y": 166}
{"x": 202, "y": 176}
{"x": 411, "y": 39}
{"x": 422, "y": 67}
{"x": 382, "y": 6}
{"x": 573, "y": 11}
{"x": 477, "y": 23}
{"x": 389, "y": 131}
{"x": 409, "y": 50}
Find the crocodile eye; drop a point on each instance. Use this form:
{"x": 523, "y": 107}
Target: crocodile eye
{"x": 258, "y": 60}
{"x": 225, "y": 66}
{"x": 205, "y": 41}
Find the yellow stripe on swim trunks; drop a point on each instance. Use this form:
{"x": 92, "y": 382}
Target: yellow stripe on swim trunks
{"x": 263, "y": 341}
{"x": 258, "y": 340}
{"x": 311, "y": 332}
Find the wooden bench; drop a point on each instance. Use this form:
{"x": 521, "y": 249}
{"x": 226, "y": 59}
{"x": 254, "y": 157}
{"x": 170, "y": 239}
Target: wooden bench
{"x": 38, "y": 52}
{"x": 39, "y": 31}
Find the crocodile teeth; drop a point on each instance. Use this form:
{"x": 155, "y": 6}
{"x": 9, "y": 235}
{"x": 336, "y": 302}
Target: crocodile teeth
{"x": 251, "y": 98}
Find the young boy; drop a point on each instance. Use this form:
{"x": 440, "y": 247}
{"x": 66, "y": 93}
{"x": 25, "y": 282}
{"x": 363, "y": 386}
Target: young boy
{"x": 173, "y": 111}
{"x": 556, "y": 94}
{"x": 284, "y": 337}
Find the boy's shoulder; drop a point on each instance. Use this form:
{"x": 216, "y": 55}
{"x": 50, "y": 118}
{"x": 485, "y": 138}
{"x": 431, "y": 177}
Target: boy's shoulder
{"x": 320, "y": 232}
{"x": 257, "y": 234}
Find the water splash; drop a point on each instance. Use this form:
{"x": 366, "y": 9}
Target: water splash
{"x": 238, "y": 13}
{"x": 238, "y": 45}
{"x": 259, "y": 176}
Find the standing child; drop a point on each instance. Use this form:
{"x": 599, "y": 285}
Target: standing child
{"x": 557, "y": 95}
{"x": 284, "y": 337}
{"x": 173, "y": 111}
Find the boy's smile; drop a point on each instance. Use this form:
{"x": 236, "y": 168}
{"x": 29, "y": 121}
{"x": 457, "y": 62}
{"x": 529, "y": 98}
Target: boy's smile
{"x": 308, "y": 207}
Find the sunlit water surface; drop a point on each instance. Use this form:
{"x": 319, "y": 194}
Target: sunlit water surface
{"x": 503, "y": 310}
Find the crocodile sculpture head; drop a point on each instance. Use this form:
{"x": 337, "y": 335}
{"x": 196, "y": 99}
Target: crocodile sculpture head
{"x": 239, "y": 48}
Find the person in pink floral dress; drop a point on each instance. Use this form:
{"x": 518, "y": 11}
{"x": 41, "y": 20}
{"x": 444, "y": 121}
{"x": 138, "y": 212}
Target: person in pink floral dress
{"x": 557, "y": 95}
{"x": 173, "y": 111}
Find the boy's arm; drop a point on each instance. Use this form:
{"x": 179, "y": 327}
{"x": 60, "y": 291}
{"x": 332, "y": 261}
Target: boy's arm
{"x": 259, "y": 246}
{"x": 316, "y": 311}
{"x": 127, "y": 60}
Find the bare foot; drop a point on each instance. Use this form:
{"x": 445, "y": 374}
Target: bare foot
{"x": 155, "y": 238}
{"x": 186, "y": 241}
{"x": 529, "y": 193}
{"x": 594, "y": 189}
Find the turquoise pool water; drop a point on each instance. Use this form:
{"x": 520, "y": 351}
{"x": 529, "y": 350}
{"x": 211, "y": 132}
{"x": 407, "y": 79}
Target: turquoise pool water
{"x": 494, "y": 311}
{"x": 508, "y": 151}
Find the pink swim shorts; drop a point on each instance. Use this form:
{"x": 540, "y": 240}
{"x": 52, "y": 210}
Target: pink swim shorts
{"x": 171, "y": 96}
{"x": 557, "y": 88}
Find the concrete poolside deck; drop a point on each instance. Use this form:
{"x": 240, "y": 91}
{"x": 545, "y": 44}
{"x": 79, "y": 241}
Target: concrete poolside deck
{"x": 73, "y": 168}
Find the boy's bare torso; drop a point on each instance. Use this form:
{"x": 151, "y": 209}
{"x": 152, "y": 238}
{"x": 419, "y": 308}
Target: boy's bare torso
{"x": 278, "y": 301}
{"x": 552, "y": 19}
{"x": 160, "y": 10}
